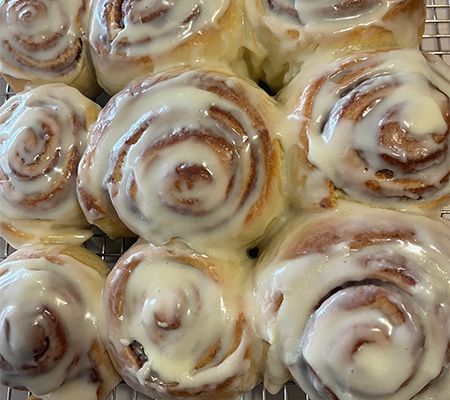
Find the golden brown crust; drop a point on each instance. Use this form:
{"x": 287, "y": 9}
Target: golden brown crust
{"x": 53, "y": 347}
{"x": 171, "y": 324}
{"x": 379, "y": 36}
{"x": 262, "y": 157}
{"x": 287, "y": 39}
{"x": 30, "y": 59}
{"x": 43, "y": 133}
{"x": 216, "y": 43}
{"x": 402, "y": 180}
{"x": 329, "y": 280}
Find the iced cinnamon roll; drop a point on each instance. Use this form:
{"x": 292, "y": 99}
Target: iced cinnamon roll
{"x": 43, "y": 133}
{"x": 50, "y": 324}
{"x": 44, "y": 41}
{"x": 176, "y": 324}
{"x": 355, "y": 304}
{"x": 289, "y": 31}
{"x": 130, "y": 39}
{"x": 184, "y": 154}
{"x": 376, "y": 125}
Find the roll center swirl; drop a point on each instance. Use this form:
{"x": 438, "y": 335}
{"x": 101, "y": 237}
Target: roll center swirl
{"x": 372, "y": 339}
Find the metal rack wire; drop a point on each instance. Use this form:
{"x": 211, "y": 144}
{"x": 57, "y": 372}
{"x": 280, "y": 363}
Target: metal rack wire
{"x": 436, "y": 40}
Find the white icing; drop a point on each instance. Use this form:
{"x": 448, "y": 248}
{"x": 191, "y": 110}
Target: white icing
{"x": 290, "y": 31}
{"x": 388, "y": 363}
{"x": 71, "y": 292}
{"x": 319, "y": 17}
{"x": 409, "y": 91}
{"x": 211, "y": 206}
{"x": 152, "y": 36}
{"x": 138, "y": 37}
{"x": 308, "y": 330}
{"x": 320, "y": 14}
{"x": 179, "y": 312}
{"x": 170, "y": 30}
{"x": 38, "y": 22}
{"x": 40, "y": 131}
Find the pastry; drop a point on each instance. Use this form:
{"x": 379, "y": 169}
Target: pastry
{"x": 188, "y": 154}
{"x": 355, "y": 304}
{"x": 376, "y": 125}
{"x": 50, "y": 324}
{"x": 291, "y": 31}
{"x": 134, "y": 38}
{"x": 176, "y": 325}
{"x": 44, "y": 41}
{"x": 43, "y": 133}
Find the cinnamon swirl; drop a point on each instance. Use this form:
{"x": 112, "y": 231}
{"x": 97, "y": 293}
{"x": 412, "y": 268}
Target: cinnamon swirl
{"x": 44, "y": 41}
{"x": 130, "y": 39}
{"x": 376, "y": 125}
{"x": 289, "y": 31}
{"x": 176, "y": 324}
{"x": 43, "y": 133}
{"x": 50, "y": 321}
{"x": 355, "y": 304}
{"x": 185, "y": 154}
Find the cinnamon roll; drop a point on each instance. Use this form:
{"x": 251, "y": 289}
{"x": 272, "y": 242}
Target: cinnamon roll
{"x": 44, "y": 41}
{"x": 355, "y": 304}
{"x": 185, "y": 154}
{"x": 376, "y": 125}
{"x": 176, "y": 325}
{"x": 43, "y": 133}
{"x": 50, "y": 323}
{"x": 130, "y": 39}
{"x": 289, "y": 31}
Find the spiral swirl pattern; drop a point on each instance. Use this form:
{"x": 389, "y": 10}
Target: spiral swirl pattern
{"x": 374, "y": 325}
{"x": 378, "y": 126}
{"x": 42, "y": 40}
{"x": 183, "y": 154}
{"x": 337, "y": 16}
{"x": 43, "y": 133}
{"x": 291, "y": 31}
{"x": 136, "y": 28}
{"x": 176, "y": 327}
{"x": 343, "y": 13}
{"x": 148, "y": 35}
{"x": 49, "y": 337}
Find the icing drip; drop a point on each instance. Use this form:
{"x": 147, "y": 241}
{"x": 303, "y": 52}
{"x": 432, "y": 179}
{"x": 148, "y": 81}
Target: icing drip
{"x": 43, "y": 133}
{"x": 185, "y": 147}
{"x": 378, "y": 126}
{"x": 41, "y": 38}
{"x": 290, "y": 32}
{"x": 369, "y": 291}
{"x": 142, "y": 28}
{"x": 176, "y": 325}
{"x": 50, "y": 337}
{"x": 131, "y": 39}
{"x": 326, "y": 16}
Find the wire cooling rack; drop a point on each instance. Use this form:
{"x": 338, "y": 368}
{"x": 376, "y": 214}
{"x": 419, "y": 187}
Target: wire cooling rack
{"x": 436, "y": 40}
